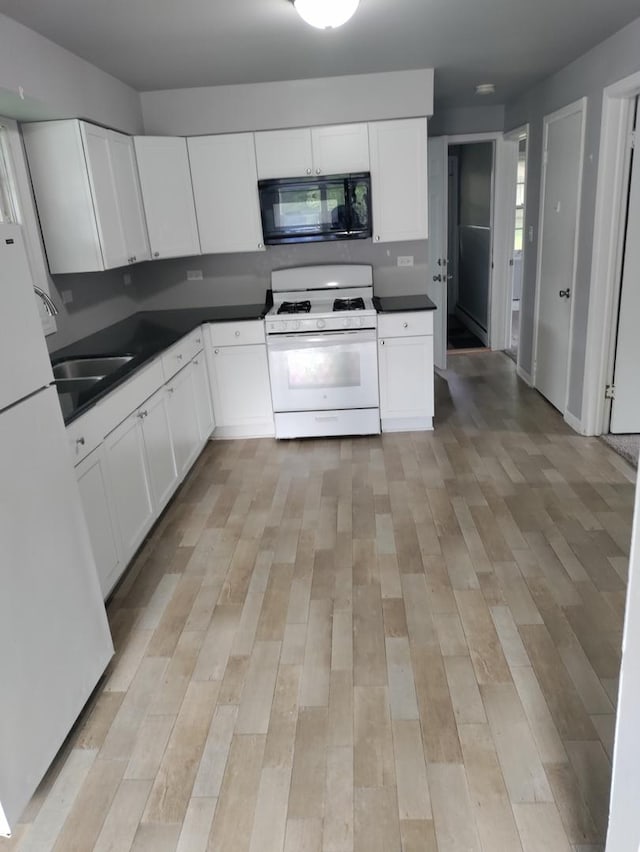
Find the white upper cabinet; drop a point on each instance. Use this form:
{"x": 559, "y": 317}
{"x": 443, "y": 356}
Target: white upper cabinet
{"x": 331, "y": 150}
{"x": 167, "y": 194}
{"x": 86, "y": 187}
{"x": 284, "y": 153}
{"x": 398, "y": 152}
{"x": 225, "y": 186}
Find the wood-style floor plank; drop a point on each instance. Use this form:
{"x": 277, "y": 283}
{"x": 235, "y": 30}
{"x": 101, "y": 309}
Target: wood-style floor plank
{"x": 396, "y": 643}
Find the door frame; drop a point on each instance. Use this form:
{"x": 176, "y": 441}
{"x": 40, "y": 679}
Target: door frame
{"x": 509, "y": 196}
{"x": 579, "y": 106}
{"x": 617, "y": 105}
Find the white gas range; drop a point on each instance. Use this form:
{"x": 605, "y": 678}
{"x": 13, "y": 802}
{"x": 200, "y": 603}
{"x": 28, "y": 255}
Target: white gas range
{"x": 321, "y": 343}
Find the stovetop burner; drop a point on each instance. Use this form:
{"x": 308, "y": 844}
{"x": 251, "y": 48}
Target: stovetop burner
{"x": 356, "y": 304}
{"x": 295, "y": 307}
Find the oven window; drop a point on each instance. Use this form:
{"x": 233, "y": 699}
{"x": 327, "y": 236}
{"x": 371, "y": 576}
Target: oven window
{"x": 310, "y": 369}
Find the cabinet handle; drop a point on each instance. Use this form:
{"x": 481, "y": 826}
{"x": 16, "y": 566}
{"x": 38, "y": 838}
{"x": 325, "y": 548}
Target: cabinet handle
{"x": 196, "y": 362}
{"x": 179, "y": 357}
{"x": 79, "y": 442}
{"x": 216, "y": 351}
{"x": 171, "y": 390}
{"x": 156, "y": 254}
{"x": 142, "y": 414}
{"x": 308, "y": 171}
{"x": 198, "y": 340}
{"x": 377, "y": 239}
{"x": 405, "y": 325}
{"x": 382, "y": 343}
{"x": 318, "y": 171}
{"x": 260, "y": 245}
{"x": 237, "y": 334}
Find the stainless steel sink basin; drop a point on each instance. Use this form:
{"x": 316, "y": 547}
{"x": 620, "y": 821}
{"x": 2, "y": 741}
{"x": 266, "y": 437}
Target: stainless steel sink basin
{"x": 76, "y": 385}
{"x": 84, "y": 368}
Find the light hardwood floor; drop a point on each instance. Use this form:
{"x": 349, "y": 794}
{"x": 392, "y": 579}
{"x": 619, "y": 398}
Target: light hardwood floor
{"x": 408, "y": 642}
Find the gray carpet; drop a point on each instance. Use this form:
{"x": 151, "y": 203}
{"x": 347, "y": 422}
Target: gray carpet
{"x": 627, "y": 446}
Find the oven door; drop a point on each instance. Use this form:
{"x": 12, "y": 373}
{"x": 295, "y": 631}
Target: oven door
{"x": 334, "y": 370}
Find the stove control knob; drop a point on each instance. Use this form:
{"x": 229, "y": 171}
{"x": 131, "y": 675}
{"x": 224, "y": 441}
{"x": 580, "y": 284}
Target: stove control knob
{"x": 320, "y": 323}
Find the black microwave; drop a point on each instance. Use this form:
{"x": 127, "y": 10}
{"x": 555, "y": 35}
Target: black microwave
{"x": 314, "y": 209}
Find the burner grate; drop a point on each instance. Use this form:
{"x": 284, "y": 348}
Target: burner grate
{"x": 356, "y": 304}
{"x": 295, "y": 307}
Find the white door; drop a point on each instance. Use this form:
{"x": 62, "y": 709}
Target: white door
{"x": 167, "y": 194}
{"x": 96, "y": 504}
{"x": 204, "y": 407}
{"x": 406, "y": 377}
{"x": 225, "y": 186}
{"x": 19, "y": 376}
{"x": 130, "y": 483}
{"x": 240, "y": 386}
{"x": 340, "y": 149}
{"x": 54, "y": 634}
{"x": 183, "y": 416}
{"x": 625, "y": 408}
{"x": 284, "y": 153}
{"x": 398, "y": 151}
{"x": 438, "y": 248}
{"x": 125, "y": 172}
{"x": 562, "y": 179}
{"x": 158, "y": 445}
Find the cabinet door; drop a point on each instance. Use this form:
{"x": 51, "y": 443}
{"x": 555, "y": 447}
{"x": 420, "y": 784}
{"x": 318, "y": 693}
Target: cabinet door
{"x": 340, "y": 149}
{"x": 398, "y": 152}
{"x": 406, "y": 377}
{"x": 104, "y": 190}
{"x": 225, "y": 187}
{"x": 125, "y": 173}
{"x": 129, "y": 482}
{"x": 96, "y": 503}
{"x": 167, "y": 195}
{"x": 183, "y": 416}
{"x": 284, "y": 153}
{"x": 206, "y": 423}
{"x": 240, "y": 388}
{"x": 158, "y": 445}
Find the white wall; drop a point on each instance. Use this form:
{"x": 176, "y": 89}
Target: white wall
{"x": 611, "y": 60}
{"x": 475, "y": 119}
{"x": 58, "y": 84}
{"x": 624, "y": 821}
{"x": 289, "y": 103}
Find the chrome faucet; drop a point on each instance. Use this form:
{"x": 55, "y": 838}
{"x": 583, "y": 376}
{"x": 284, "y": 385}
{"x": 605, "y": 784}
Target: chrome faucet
{"x": 49, "y": 304}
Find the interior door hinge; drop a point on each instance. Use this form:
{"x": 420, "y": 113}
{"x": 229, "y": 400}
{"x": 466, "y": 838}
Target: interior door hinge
{"x": 610, "y": 392}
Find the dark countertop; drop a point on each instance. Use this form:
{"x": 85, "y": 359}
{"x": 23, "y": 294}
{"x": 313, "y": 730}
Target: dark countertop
{"x": 143, "y": 335}
{"x": 393, "y": 304}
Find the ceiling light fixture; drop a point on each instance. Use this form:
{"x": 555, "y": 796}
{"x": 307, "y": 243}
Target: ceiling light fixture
{"x": 326, "y": 14}
{"x": 485, "y": 88}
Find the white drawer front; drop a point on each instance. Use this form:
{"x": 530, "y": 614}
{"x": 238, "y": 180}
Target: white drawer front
{"x": 409, "y": 324}
{"x": 179, "y": 355}
{"x": 236, "y": 333}
{"x": 84, "y": 436}
{"x": 124, "y": 399}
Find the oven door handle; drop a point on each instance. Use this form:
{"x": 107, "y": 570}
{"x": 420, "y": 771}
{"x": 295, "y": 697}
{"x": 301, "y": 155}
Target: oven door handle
{"x": 329, "y": 338}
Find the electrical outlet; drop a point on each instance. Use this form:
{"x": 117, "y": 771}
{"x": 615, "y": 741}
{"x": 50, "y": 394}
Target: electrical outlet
{"x": 194, "y": 275}
{"x": 66, "y": 296}
{"x": 405, "y": 260}
{"x": 127, "y": 279}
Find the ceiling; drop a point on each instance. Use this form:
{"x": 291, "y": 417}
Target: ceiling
{"x": 163, "y": 44}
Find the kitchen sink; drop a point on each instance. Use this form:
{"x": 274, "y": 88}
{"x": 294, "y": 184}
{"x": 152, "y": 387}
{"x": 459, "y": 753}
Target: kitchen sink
{"x": 89, "y": 368}
{"x": 76, "y": 385}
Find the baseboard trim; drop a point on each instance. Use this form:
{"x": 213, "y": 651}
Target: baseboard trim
{"x": 407, "y": 424}
{"x": 526, "y": 377}
{"x": 256, "y": 430}
{"x": 575, "y": 423}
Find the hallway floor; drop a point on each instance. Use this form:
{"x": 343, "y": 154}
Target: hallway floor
{"x": 408, "y": 642}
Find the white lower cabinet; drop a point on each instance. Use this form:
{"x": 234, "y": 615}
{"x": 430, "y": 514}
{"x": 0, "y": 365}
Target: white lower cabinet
{"x": 405, "y": 368}
{"x": 239, "y": 374}
{"x": 159, "y": 448}
{"x": 96, "y": 500}
{"x": 183, "y": 418}
{"x": 130, "y": 483}
{"x": 204, "y": 408}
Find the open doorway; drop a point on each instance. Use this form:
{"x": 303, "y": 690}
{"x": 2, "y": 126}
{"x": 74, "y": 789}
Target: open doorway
{"x": 470, "y": 209}
{"x": 516, "y": 262}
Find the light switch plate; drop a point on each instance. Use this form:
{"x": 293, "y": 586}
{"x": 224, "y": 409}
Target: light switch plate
{"x": 194, "y": 275}
{"x": 66, "y": 296}
{"x": 127, "y": 279}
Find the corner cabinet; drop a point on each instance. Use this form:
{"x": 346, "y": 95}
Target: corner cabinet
{"x": 225, "y": 185}
{"x": 85, "y": 182}
{"x": 399, "y": 194}
{"x": 239, "y": 374}
{"x": 405, "y": 370}
{"x": 167, "y": 193}
{"x": 303, "y": 151}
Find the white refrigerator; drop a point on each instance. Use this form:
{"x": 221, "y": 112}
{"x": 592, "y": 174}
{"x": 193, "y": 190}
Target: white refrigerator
{"x": 54, "y": 636}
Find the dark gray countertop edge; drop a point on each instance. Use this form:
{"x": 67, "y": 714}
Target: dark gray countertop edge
{"x": 145, "y": 334}
{"x": 396, "y": 304}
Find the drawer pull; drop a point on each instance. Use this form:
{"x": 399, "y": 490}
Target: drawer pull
{"x": 171, "y": 390}
{"x": 142, "y": 414}
{"x": 405, "y": 324}
{"x": 237, "y": 334}
{"x": 198, "y": 340}
{"x": 217, "y": 351}
{"x": 196, "y": 362}
{"x": 79, "y": 442}
{"x": 179, "y": 357}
